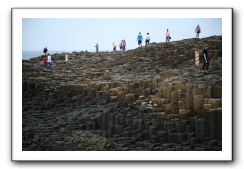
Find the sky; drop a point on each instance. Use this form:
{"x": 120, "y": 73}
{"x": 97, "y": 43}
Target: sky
{"x": 59, "y": 34}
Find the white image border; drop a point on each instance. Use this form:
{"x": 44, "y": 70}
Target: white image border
{"x": 19, "y": 155}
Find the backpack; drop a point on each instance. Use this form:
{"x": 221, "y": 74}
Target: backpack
{"x": 198, "y": 30}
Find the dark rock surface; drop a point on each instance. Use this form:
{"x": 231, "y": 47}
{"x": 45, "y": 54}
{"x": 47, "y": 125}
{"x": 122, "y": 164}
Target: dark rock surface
{"x": 150, "y": 98}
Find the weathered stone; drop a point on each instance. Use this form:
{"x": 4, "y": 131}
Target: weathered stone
{"x": 130, "y": 97}
{"x": 216, "y": 103}
{"x": 114, "y": 98}
{"x": 197, "y": 102}
{"x": 207, "y": 107}
{"x": 168, "y": 108}
{"x": 124, "y": 101}
{"x": 187, "y": 148}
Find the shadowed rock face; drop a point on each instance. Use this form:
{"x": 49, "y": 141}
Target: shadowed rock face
{"x": 150, "y": 98}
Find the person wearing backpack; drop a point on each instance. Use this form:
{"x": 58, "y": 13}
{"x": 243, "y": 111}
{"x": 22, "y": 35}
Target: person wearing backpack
{"x": 197, "y": 31}
{"x": 139, "y": 39}
{"x": 147, "y": 39}
{"x": 122, "y": 45}
{"x": 168, "y": 37}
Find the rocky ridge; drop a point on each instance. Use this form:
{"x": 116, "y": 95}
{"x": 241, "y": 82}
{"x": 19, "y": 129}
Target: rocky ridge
{"x": 149, "y": 98}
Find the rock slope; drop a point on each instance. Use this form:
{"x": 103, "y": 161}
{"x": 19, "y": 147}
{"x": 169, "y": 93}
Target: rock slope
{"x": 149, "y": 98}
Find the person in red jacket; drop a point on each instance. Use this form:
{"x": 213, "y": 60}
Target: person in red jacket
{"x": 44, "y": 59}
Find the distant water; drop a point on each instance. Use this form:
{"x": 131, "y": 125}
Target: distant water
{"x": 27, "y": 54}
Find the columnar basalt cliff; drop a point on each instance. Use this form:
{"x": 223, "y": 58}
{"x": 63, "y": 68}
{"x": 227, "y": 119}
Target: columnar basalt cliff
{"x": 149, "y": 98}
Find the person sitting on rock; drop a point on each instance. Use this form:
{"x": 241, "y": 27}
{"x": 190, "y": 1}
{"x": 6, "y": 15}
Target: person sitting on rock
{"x": 205, "y": 59}
{"x": 147, "y": 39}
{"x": 168, "y": 37}
{"x": 139, "y": 39}
{"x": 114, "y": 46}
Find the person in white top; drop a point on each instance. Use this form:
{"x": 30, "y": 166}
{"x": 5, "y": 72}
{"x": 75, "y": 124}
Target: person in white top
{"x": 49, "y": 60}
{"x": 114, "y": 46}
{"x": 168, "y": 37}
{"x": 147, "y": 39}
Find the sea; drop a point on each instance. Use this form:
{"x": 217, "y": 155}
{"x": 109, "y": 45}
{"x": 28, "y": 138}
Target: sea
{"x": 28, "y": 54}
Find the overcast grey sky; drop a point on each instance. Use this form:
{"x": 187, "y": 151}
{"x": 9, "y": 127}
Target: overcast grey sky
{"x": 83, "y": 34}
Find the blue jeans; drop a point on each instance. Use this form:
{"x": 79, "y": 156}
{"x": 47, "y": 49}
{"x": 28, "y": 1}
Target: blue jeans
{"x": 48, "y": 64}
{"x": 139, "y": 43}
{"x": 205, "y": 66}
{"x": 45, "y": 65}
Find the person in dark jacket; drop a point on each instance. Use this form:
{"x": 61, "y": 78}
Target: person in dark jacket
{"x": 205, "y": 59}
{"x": 45, "y": 50}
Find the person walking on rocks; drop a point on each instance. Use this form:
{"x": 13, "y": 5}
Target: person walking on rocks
{"x": 49, "y": 61}
{"x": 168, "y": 37}
{"x": 139, "y": 39}
{"x": 122, "y": 45}
{"x": 44, "y": 59}
{"x": 197, "y": 31}
{"x": 147, "y": 39}
{"x": 97, "y": 47}
{"x": 114, "y": 46}
{"x": 205, "y": 59}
